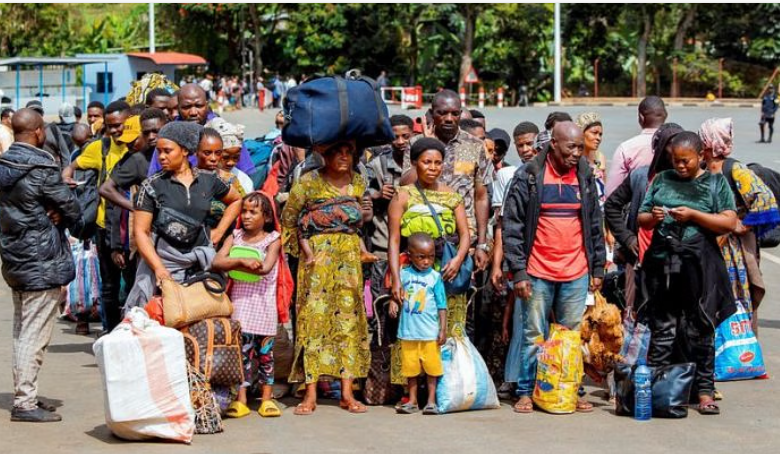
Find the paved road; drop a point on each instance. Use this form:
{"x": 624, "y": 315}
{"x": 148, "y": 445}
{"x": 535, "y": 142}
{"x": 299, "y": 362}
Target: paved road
{"x": 750, "y": 422}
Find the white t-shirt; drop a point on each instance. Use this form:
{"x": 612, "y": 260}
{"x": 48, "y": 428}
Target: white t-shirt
{"x": 501, "y": 183}
{"x": 207, "y": 85}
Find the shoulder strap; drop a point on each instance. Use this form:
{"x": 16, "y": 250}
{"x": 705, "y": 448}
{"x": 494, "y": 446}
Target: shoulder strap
{"x": 105, "y": 149}
{"x": 728, "y": 172}
{"x": 433, "y": 210}
{"x": 714, "y": 193}
{"x": 341, "y": 87}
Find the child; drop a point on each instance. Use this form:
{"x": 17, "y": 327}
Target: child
{"x": 423, "y": 323}
{"x": 254, "y": 304}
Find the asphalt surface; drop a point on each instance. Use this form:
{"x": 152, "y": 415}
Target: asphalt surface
{"x": 749, "y": 423}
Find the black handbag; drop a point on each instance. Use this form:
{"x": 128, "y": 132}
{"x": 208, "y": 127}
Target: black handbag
{"x": 671, "y": 389}
{"x": 177, "y": 228}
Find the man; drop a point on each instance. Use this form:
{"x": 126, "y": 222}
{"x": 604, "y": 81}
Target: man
{"x": 194, "y": 107}
{"x": 78, "y": 113}
{"x": 6, "y": 133}
{"x": 55, "y": 141}
{"x": 385, "y": 170}
{"x": 67, "y": 116}
{"x": 479, "y": 117}
{"x": 278, "y": 125}
{"x": 95, "y": 112}
{"x": 173, "y": 107}
{"x": 473, "y": 127}
{"x": 207, "y": 84}
{"x": 37, "y": 207}
{"x": 81, "y": 136}
{"x": 637, "y": 151}
{"x": 768, "y": 109}
{"x": 553, "y": 245}
{"x": 129, "y": 173}
{"x": 382, "y": 81}
{"x": 101, "y": 156}
{"x": 466, "y": 166}
{"x": 159, "y": 98}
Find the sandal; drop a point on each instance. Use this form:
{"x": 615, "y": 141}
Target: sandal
{"x": 430, "y": 409}
{"x": 304, "y": 410}
{"x": 709, "y": 407}
{"x": 527, "y": 405}
{"x": 583, "y": 406}
{"x": 237, "y": 409}
{"x": 407, "y": 409}
{"x": 717, "y": 395}
{"x": 353, "y": 407}
{"x": 269, "y": 409}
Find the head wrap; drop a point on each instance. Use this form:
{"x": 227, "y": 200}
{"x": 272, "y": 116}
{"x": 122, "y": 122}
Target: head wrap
{"x": 588, "y": 119}
{"x": 424, "y": 144}
{"x": 717, "y": 135}
{"x": 185, "y": 133}
{"x": 232, "y": 134}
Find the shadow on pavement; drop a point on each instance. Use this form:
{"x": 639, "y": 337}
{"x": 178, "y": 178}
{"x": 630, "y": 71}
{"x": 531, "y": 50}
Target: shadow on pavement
{"x": 102, "y": 433}
{"x": 771, "y": 324}
{"x": 71, "y": 348}
{"x": 7, "y": 401}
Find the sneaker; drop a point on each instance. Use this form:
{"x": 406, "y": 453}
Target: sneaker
{"x": 34, "y": 415}
{"x": 504, "y": 391}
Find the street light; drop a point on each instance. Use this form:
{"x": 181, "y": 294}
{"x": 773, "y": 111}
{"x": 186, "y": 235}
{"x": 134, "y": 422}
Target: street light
{"x": 557, "y": 33}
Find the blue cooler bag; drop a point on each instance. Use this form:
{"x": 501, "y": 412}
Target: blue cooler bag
{"x": 737, "y": 351}
{"x": 330, "y": 109}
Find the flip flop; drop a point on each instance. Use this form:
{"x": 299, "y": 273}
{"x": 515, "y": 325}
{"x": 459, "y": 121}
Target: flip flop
{"x": 709, "y": 408}
{"x": 354, "y": 407}
{"x": 237, "y": 409}
{"x": 269, "y": 409}
{"x": 583, "y": 406}
{"x": 304, "y": 410}
{"x": 525, "y": 408}
{"x": 407, "y": 409}
{"x": 430, "y": 409}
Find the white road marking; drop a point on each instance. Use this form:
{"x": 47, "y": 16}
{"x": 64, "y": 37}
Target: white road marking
{"x": 772, "y": 258}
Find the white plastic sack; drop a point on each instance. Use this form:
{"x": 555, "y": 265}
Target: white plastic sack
{"x": 144, "y": 370}
{"x": 466, "y": 383}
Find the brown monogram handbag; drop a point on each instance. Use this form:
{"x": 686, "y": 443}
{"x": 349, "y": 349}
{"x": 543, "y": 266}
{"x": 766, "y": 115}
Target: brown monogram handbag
{"x": 213, "y": 348}
{"x": 196, "y": 299}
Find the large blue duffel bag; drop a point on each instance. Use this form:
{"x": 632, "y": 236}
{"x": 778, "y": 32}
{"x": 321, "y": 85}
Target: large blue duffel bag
{"x": 329, "y": 109}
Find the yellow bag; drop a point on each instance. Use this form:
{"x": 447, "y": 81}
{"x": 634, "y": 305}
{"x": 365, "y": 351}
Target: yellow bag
{"x": 147, "y": 83}
{"x": 559, "y": 371}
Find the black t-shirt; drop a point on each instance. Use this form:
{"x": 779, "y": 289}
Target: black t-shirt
{"x": 164, "y": 190}
{"x": 131, "y": 170}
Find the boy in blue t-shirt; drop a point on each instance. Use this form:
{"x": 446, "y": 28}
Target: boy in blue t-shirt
{"x": 423, "y": 324}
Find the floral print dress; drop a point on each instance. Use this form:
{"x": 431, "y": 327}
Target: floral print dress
{"x": 331, "y": 327}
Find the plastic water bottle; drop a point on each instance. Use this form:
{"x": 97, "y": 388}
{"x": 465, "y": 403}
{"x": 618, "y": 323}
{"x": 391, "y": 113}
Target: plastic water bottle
{"x": 643, "y": 393}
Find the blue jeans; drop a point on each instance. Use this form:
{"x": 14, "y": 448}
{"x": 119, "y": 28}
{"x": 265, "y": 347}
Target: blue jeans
{"x": 566, "y": 300}
{"x": 514, "y": 358}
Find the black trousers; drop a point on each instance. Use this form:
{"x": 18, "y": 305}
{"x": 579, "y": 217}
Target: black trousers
{"x": 111, "y": 278}
{"x": 681, "y": 331}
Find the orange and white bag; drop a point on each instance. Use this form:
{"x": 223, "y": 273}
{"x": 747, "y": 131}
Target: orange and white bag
{"x": 144, "y": 371}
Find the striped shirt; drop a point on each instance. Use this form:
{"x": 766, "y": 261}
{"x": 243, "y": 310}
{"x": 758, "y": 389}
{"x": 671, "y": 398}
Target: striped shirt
{"x": 558, "y": 252}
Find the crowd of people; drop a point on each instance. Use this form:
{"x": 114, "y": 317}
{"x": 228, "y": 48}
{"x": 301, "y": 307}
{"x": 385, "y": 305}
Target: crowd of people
{"x": 400, "y": 222}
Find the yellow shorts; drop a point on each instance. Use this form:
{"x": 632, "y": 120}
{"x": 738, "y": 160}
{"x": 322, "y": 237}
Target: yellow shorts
{"x": 419, "y": 356}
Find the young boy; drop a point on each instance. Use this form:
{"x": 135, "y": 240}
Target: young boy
{"x": 423, "y": 324}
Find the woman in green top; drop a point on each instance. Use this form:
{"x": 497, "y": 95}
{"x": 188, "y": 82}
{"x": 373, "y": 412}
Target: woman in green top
{"x": 684, "y": 274}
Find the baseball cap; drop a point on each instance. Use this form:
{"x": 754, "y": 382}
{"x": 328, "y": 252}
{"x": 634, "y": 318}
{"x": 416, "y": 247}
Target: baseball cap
{"x": 35, "y": 105}
{"x": 67, "y": 113}
{"x": 131, "y": 130}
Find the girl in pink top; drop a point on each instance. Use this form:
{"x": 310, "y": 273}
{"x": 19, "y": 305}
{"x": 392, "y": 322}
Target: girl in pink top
{"x": 254, "y": 304}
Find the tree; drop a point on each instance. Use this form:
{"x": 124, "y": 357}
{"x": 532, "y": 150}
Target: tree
{"x": 683, "y": 26}
{"x": 647, "y": 15}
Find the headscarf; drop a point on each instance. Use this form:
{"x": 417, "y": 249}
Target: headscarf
{"x": 185, "y": 133}
{"x": 586, "y": 120}
{"x": 661, "y": 138}
{"x": 717, "y": 134}
{"x": 232, "y": 134}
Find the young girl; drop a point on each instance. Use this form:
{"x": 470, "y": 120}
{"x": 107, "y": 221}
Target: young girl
{"x": 254, "y": 304}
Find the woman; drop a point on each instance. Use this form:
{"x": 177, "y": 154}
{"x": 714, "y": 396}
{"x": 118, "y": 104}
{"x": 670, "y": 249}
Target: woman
{"x": 687, "y": 284}
{"x": 593, "y": 132}
{"x": 756, "y": 209}
{"x": 408, "y": 214}
{"x": 331, "y": 328}
{"x": 179, "y": 195}
{"x": 209, "y": 156}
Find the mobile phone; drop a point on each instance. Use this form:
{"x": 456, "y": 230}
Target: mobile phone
{"x": 80, "y": 183}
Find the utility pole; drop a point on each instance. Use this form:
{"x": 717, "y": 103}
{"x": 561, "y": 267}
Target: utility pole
{"x": 151, "y": 28}
{"x": 557, "y": 32}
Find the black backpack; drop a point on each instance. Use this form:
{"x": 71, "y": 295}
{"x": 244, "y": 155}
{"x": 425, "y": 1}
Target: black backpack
{"x": 772, "y": 180}
{"x": 87, "y": 194}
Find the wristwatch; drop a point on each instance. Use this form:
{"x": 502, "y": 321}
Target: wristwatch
{"x": 483, "y": 247}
